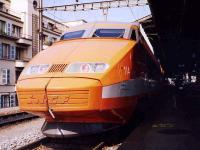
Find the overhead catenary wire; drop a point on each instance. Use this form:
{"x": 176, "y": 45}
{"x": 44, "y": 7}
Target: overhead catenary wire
{"x": 55, "y": 16}
{"x": 96, "y": 5}
{"x": 131, "y": 11}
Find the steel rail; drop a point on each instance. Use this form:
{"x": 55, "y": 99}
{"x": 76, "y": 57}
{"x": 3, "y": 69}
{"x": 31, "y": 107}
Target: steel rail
{"x": 12, "y": 118}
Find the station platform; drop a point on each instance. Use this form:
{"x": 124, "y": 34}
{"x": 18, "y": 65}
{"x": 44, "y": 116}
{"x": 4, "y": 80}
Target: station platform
{"x": 173, "y": 123}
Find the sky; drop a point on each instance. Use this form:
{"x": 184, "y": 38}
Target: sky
{"x": 115, "y": 14}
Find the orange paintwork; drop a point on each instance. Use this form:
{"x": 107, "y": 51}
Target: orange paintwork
{"x": 77, "y": 97}
{"x": 108, "y": 51}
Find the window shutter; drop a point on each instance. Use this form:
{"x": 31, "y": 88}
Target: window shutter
{"x": 1, "y": 51}
{"x": 4, "y": 76}
{"x": 1, "y": 100}
{"x": 12, "y": 99}
{"x": 1, "y": 77}
{"x": 13, "y": 52}
{"x": 8, "y": 51}
{"x": 8, "y": 29}
{"x": 8, "y": 75}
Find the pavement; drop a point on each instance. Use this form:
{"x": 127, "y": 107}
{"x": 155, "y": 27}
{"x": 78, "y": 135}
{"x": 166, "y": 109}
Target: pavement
{"x": 171, "y": 123}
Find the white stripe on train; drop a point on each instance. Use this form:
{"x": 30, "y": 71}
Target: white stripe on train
{"x": 132, "y": 87}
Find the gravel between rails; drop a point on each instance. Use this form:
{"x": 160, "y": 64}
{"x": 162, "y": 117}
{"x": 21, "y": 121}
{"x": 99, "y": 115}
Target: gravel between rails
{"x": 19, "y": 134}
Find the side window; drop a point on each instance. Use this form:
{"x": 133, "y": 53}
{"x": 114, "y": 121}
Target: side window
{"x": 117, "y": 33}
{"x": 139, "y": 61}
{"x": 72, "y": 35}
{"x": 133, "y": 35}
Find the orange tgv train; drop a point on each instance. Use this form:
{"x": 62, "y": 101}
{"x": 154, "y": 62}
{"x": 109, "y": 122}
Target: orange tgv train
{"x": 91, "y": 80}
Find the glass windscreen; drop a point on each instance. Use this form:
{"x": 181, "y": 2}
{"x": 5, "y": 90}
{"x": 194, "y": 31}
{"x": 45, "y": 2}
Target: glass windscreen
{"x": 72, "y": 35}
{"x": 118, "y": 33}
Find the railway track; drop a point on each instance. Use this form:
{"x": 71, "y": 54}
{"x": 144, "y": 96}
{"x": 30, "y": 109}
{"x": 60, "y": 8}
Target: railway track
{"x": 92, "y": 142}
{"x": 13, "y": 118}
{"x": 47, "y": 143}
{"x": 112, "y": 138}
{"x": 34, "y": 145}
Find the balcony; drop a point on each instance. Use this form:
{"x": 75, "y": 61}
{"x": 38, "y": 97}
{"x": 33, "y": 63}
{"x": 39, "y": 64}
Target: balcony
{"x": 21, "y": 63}
{"x": 11, "y": 36}
{"x": 57, "y": 30}
{"x": 25, "y": 40}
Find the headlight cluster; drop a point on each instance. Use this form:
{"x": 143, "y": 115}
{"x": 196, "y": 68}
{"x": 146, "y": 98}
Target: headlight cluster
{"x": 86, "y": 67}
{"x": 37, "y": 69}
{"x": 78, "y": 67}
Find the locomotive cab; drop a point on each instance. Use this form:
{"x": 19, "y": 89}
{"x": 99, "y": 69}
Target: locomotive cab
{"x": 90, "y": 80}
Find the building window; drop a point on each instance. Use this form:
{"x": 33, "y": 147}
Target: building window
{"x": 50, "y": 26}
{"x": 2, "y": 27}
{"x": 4, "y": 101}
{"x": 17, "y": 73}
{"x": 1, "y": 6}
{"x": 5, "y": 76}
{"x": 5, "y": 51}
{"x": 16, "y": 31}
{"x": 8, "y": 100}
{"x": 19, "y": 53}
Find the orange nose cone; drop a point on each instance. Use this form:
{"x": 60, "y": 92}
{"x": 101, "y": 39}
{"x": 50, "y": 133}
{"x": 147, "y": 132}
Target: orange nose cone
{"x": 73, "y": 93}
{"x": 31, "y": 94}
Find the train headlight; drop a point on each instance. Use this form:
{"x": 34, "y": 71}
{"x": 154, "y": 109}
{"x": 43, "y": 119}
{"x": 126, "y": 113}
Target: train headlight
{"x": 87, "y": 67}
{"x": 37, "y": 69}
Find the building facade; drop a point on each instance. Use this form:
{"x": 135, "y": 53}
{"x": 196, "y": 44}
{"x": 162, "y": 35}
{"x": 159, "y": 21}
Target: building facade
{"x": 19, "y": 42}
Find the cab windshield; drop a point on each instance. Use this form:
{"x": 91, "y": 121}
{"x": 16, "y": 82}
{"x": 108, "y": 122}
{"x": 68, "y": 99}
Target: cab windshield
{"x": 117, "y": 33}
{"x": 72, "y": 35}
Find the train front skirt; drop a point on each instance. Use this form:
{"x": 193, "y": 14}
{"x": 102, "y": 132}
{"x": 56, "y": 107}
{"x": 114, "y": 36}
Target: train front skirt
{"x": 63, "y": 130}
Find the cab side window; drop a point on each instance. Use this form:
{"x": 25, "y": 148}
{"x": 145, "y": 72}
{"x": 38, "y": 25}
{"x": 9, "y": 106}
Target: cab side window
{"x": 139, "y": 62}
{"x": 133, "y": 35}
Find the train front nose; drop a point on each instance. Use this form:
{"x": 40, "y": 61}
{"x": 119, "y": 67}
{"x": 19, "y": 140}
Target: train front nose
{"x": 72, "y": 94}
{"x": 39, "y": 95}
{"x": 32, "y": 95}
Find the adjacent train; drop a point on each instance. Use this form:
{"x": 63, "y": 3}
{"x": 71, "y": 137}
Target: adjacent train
{"x": 90, "y": 80}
